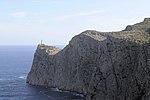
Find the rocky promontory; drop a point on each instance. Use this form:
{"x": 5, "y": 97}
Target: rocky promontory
{"x": 101, "y": 65}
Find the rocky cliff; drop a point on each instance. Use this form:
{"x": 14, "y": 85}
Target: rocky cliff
{"x": 101, "y": 65}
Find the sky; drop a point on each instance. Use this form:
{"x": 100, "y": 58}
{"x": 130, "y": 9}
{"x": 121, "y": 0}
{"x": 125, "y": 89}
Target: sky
{"x": 27, "y": 22}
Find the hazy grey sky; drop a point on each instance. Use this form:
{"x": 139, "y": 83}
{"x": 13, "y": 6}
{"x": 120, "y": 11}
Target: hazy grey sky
{"x": 26, "y": 22}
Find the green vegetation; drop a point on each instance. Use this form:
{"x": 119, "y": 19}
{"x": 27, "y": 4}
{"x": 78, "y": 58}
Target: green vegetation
{"x": 138, "y": 33}
{"x": 95, "y": 35}
{"x": 136, "y": 36}
{"x": 141, "y": 26}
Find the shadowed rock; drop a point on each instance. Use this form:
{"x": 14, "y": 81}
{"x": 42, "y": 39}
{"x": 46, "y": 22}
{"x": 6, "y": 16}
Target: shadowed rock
{"x": 101, "y": 65}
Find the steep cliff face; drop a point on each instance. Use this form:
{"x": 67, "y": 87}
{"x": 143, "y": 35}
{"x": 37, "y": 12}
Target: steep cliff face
{"x": 103, "y": 66}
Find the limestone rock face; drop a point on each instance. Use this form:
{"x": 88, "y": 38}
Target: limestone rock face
{"x": 102, "y": 66}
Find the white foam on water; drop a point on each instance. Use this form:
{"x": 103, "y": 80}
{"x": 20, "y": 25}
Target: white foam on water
{"x": 56, "y": 89}
{"x": 22, "y": 77}
{"x": 81, "y": 95}
{"x": 1, "y": 79}
{"x": 74, "y": 93}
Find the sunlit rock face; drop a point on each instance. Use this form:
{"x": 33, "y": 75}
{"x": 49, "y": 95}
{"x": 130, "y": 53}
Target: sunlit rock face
{"x": 101, "y": 65}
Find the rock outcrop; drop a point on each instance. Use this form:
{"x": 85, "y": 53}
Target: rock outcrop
{"x": 101, "y": 65}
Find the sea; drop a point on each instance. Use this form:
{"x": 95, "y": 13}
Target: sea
{"x": 15, "y": 64}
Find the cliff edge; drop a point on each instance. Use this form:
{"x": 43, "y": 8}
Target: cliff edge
{"x": 101, "y": 65}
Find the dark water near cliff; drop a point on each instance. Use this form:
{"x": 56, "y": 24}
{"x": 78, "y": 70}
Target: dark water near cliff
{"x": 15, "y": 63}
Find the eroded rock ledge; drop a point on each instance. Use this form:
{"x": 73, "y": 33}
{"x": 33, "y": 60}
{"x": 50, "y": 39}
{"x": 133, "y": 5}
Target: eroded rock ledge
{"x": 101, "y": 65}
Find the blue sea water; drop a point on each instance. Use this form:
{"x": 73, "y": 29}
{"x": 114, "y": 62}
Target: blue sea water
{"x": 15, "y": 63}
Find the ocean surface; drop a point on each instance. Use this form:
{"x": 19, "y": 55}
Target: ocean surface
{"x": 15, "y": 63}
